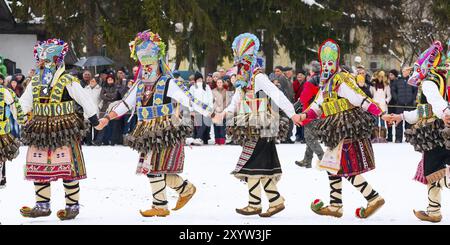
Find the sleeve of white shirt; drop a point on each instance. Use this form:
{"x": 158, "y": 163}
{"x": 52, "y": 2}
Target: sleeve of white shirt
{"x": 263, "y": 83}
{"x": 128, "y": 102}
{"x": 82, "y": 98}
{"x": 176, "y": 93}
{"x": 353, "y": 97}
{"x": 26, "y": 100}
{"x": 438, "y": 103}
{"x": 411, "y": 117}
{"x": 231, "y": 108}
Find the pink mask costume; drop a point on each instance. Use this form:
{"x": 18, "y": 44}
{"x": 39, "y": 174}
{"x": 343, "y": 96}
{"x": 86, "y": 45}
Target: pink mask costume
{"x": 427, "y": 61}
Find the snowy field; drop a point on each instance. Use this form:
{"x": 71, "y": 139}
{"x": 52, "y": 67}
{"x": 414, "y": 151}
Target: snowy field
{"x": 113, "y": 194}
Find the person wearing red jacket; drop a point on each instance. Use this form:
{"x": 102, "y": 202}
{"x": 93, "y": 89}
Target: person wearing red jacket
{"x": 298, "y": 86}
{"x": 310, "y": 89}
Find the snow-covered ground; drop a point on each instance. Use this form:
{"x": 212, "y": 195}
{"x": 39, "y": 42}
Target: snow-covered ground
{"x": 113, "y": 194}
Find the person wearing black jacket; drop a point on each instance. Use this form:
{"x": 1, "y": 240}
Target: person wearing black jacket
{"x": 112, "y": 134}
{"x": 404, "y": 96}
{"x": 393, "y": 76}
{"x": 288, "y": 91}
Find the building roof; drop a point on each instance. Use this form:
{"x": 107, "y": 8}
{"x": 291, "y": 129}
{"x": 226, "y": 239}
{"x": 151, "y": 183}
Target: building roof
{"x": 8, "y": 25}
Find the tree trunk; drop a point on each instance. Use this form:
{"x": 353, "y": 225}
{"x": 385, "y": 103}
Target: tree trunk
{"x": 268, "y": 51}
{"x": 211, "y": 57}
{"x": 91, "y": 29}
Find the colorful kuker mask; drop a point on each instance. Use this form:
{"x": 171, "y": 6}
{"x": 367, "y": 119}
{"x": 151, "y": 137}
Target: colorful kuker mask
{"x": 149, "y": 50}
{"x": 427, "y": 61}
{"x": 329, "y": 59}
{"x": 50, "y": 57}
{"x": 51, "y": 52}
{"x": 245, "y": 49}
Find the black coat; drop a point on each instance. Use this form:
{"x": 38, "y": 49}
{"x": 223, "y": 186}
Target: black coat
{"x": 109, "y": 94}
{"x": 402, "y": 93}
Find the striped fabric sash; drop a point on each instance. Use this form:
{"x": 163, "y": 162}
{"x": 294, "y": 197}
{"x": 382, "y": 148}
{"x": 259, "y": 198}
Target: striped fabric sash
{"x": 4, "y": 122}
{"x": 247, "y": 152}
{"x": 53, "y": 109}
{"x": 160, "y": 109}
{"x": 151, "y": 112}
{"x": 40, "y": 91}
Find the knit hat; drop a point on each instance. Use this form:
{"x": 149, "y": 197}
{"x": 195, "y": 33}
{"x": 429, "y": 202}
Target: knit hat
{"x": 395, "y": 72}
{"x": 197, "y": 75}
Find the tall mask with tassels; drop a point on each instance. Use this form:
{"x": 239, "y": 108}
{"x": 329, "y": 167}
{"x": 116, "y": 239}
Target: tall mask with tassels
{"x": 427, "y": 61}
{"x": 50, "y": 55}
{"x": 149, "y": 50}
{"x": 329, "y": 53}
{"x": 245, "y": 49}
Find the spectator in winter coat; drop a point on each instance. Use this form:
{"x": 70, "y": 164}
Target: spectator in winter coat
{"x": 298, "y": 85}
{"x": 381, "y": 92}
{"x": 112, "y": 134}
{"x": 310, "y": 90}
{"x": 392, "y": 77}
{"x": 19, "y": 78}
{"x": 16, "y": 87}
{"x": 363, "y": 85}
{"x": 202, "y": 124}
{"x": 93, "y": 89}
{"x": 404, "y": 96}
{"x": 286, "y": 85}
{"x": 87, "y": 77}
{"x": 287, "y": 89}
{"x": 220, "y": 103}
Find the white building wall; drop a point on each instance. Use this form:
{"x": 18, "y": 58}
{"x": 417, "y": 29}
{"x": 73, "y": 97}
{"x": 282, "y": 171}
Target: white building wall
{"x": 19, "y": 48}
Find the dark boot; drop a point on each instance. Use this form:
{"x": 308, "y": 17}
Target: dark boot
{"x": 304, "y": 163}
{"x": 40, "y": 210}
{"x": 70, "y": 212}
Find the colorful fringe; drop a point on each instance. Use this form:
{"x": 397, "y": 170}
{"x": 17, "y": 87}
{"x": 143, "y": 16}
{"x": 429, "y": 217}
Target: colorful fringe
{"x": 420, "y": 174}
{"x": 247, "y": 152}
{"x": 357, "y": 157}
{"x": 168, "y": 160}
